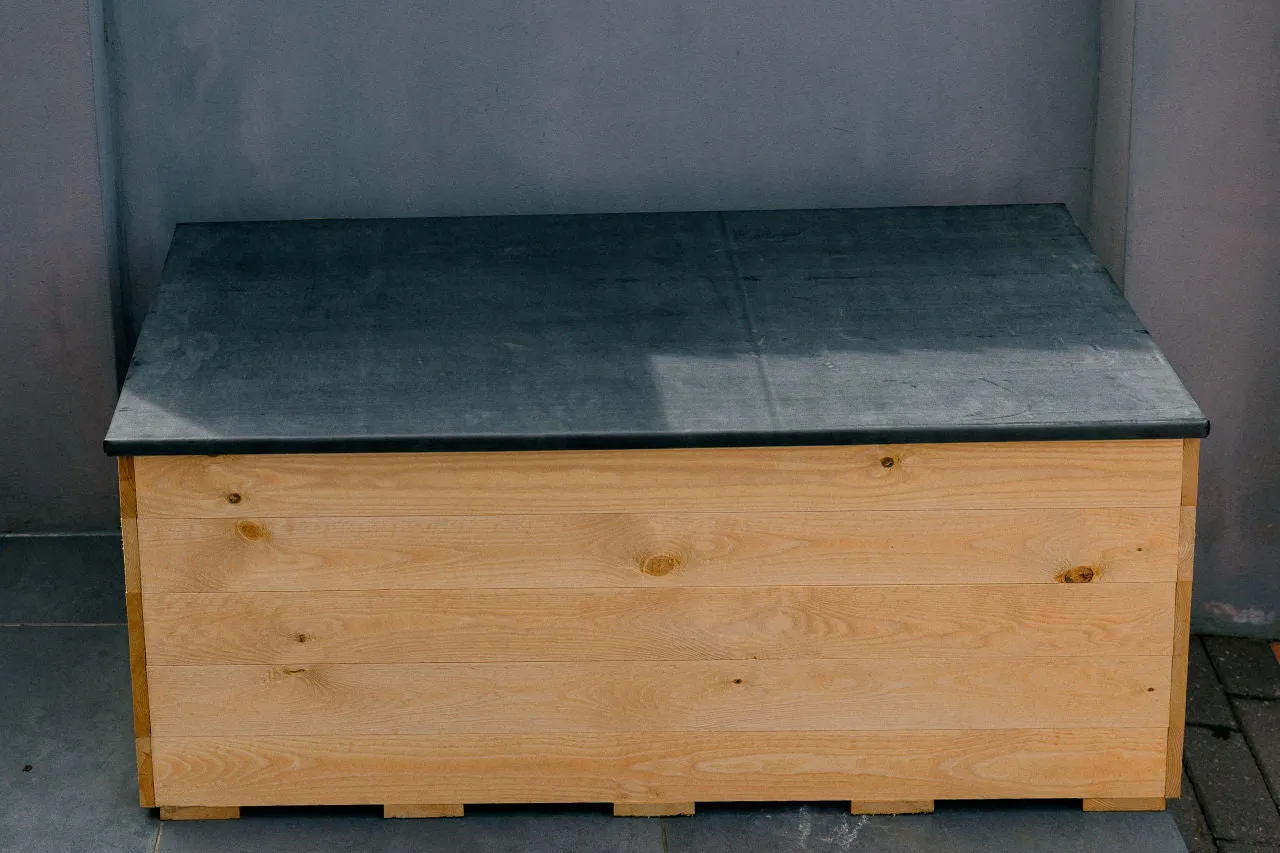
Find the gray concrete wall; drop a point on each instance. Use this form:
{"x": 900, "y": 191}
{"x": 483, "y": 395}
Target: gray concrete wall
{"x": 1109, "y": 203}
{"x": 245, "y": 110}
{"x": 333, "y": 108}
{"x": 1203, "y": 271}
{"x": 57, "y": 374}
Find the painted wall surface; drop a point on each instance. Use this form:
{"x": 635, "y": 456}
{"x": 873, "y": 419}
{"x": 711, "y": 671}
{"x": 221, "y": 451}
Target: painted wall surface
{"x": 248, "y": 110}
{"x": 1203, "y": 271}
{"x": 1109, "y": 203}
{"x": 57, "y": 371}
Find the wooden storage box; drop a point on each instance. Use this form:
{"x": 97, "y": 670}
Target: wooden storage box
{"x": 317, "y": 620}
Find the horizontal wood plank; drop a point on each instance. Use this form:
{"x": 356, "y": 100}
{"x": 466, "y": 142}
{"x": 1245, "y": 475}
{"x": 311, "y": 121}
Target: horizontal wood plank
{"x": 458, "y": 626}
{"x": 657, "y": 767}
{"x": 640, "y": 696}
{"x": 689, "y": 550}
{"x": 763, "y": 479}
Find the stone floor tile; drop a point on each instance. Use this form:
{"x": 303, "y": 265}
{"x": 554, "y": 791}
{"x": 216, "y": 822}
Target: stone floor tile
{"x": 67, "y": 775}
{"x": 956, "y": 828}
{"x": 1245, "y": 667}
{"x": 1230, "y": 786}
{"x": 1261, "y": 722}
{"x": 483, "y": 830}
{"x": 1189, "y": 817}
{"x": 61, "y": 579}
{"x": 1206, "y": 700}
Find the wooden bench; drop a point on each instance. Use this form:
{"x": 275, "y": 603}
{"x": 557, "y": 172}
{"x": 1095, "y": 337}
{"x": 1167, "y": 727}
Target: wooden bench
{"x": 885, "y": 506}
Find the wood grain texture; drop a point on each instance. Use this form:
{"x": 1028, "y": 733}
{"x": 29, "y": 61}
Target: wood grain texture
{"x": 424, "y": 810}
{"x": 1190, "y": 470}
{"x": 688, "y": 550}
{"x": 654, "y": 809}
{"x": 1124, "y": 804}
{"x": 129, "y": 524}
{"x": 891, "y": 807}
{"x": 1178, "y": 688}
{"x": 749, "y": 479}
{"x": 134, "y": 619}
{"x": 1187, "y": 544}
{"x": 636, "y": 696}
{"x": 199, "y": 812}
{"x": 459, "y": 626}
{"x": 146, "y": 775}
{"x": 655, "y": 767}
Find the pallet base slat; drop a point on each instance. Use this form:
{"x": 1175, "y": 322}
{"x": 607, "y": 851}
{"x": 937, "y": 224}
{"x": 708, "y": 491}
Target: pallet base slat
{"x": 1125, "y": 804}
{"x": 199, "y": 812}
{"x": 654, "y": 809}
{"x": 891, "y": 807}
{"x": 424, "y": 810}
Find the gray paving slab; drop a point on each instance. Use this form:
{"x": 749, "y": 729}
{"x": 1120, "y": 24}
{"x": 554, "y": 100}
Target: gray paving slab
{"x": 1206, "y": 700}
{"x": 1260, "y": 720}
{"x": 61, "y": 579}
{"x": 1237, "y": 804}
{"x": 1189, "y": 818}
{"x": 482, "y": 831}
{"x": 957, "y": 828}
{"x": 67, "y": 778}
{"x": 1245, "y": 667}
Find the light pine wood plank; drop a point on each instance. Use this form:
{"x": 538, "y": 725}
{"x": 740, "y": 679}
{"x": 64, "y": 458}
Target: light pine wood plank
{"x": 1190, "y": 470}
{"x": 459, "y": 626}
{"x": 656, "y": 767}
{"x": 750, "y": 479}
{"x": 636, "y": 696}
{"x": 199, "y": 812}
{"x": 891, "y": 807}
{"x": 424, "y": 810}
{"x": 134, "y": 619}
{"x": 688, "y": 550}
{"x": 1124, "y": 804}
{"x": 654, "y": 809}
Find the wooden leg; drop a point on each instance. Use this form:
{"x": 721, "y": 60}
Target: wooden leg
{"x": 199, "y": 812}
{"x": 652, "y": 809}
{"x": 424, "y": 810}
{"x": 1124, "y": 804}
{"x": 891, "y": 807}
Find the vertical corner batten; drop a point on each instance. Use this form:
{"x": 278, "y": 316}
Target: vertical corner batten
{"x": 1182, "y": 617}
{"x": 137, "y": 644}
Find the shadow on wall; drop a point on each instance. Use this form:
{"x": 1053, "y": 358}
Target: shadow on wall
{"x": 244, "y": 110}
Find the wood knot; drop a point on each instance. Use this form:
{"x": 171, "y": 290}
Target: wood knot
{"x": 659, "y": 565}
{"x": 233, "y": 498}
{"x": 302, "y": 638}
{"x": 294, "y": 670}
{"x": 1077, "y": 574}
{"x": 737, "y": 681}
{"x": 888, "y": 462}
{"x": 251, "y": 530}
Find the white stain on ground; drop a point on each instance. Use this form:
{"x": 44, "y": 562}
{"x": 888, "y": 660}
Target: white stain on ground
{"x": 1240, "y": 616}
{"x": 844, "y": 835}
{"x": 804, "y": 826}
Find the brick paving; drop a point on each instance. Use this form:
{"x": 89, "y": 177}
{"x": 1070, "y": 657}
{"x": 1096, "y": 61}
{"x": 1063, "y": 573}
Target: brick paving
{"x": 1232, "y": 759}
